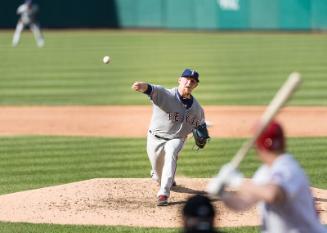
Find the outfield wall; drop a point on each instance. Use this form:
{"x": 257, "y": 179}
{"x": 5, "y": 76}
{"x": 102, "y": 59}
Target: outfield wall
{"x": 176, "y": 14}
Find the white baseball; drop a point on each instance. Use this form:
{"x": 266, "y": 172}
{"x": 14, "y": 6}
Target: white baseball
{"x": 106, "y": 59}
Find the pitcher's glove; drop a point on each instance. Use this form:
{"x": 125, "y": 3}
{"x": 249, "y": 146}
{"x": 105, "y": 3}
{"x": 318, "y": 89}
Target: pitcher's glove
{"x": 201, "y": 135}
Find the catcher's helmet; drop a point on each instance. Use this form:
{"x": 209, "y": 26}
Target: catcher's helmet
{"x": 198, "y": 214}
{"x": 198, "y": 206}
{"x": 272, "y": 138}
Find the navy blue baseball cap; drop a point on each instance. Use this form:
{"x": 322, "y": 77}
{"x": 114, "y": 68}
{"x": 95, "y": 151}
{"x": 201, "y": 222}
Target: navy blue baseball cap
{"x": 188, "y": 73}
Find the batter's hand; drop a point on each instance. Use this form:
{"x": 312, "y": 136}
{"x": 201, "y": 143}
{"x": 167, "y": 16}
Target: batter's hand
{"x": 140, "y": 86}
{"x": 228, "y": 175}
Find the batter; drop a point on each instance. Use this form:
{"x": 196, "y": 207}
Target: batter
{"x": 280, "y": 187}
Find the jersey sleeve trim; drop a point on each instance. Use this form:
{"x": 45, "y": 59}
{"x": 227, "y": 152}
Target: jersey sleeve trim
{"x": 148, "y": 90}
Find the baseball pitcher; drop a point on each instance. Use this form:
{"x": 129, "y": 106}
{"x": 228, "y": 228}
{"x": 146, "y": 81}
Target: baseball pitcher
{"x": 176, "y": 113}
{"x": 27, "y": 12}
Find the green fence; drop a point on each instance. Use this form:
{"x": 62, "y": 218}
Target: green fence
{"x": 177, "y": 14}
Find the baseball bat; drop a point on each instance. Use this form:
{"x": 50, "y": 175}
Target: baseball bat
{"x": 280, "y": 98}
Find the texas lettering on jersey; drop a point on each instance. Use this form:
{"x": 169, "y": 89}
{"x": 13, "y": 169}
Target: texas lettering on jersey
{"x": 177, "y": 117}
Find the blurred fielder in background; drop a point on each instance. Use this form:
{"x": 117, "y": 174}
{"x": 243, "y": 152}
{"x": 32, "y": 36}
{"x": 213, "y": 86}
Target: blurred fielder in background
{"x": 198, "y": 215}
{"x": 280, "y": 186}
{"x": 175, "y": 114}
{"x": 27, "y": 12}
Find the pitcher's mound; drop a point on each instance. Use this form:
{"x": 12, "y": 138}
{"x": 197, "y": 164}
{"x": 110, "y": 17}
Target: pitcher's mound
{"x": 127, "y": 202}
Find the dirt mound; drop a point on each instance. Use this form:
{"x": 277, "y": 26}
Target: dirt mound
{"x": 128, "y": 202}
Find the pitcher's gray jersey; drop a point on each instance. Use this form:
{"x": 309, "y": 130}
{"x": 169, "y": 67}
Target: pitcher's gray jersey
{"x": 170, "y": 118}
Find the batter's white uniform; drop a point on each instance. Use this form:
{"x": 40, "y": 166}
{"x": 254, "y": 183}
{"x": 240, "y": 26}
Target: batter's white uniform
{"x": 297, "y": 214}
{"x": 27, "y": 12}
{"x": 170, "y": 124}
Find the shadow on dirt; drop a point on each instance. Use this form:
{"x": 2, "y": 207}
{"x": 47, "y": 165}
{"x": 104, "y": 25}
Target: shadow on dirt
{"x": 182, "y": 189}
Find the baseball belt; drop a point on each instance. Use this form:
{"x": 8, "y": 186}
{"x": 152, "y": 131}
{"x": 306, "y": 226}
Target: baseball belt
{"x": 166, "y": 139}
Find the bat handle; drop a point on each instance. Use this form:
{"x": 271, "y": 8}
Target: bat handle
{"x": 237, "y": 159}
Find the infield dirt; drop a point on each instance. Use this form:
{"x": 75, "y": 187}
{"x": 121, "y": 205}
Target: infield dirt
{"x": 132, "y": 121}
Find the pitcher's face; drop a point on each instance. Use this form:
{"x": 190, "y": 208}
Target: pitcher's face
{"x": 186, "y": 85}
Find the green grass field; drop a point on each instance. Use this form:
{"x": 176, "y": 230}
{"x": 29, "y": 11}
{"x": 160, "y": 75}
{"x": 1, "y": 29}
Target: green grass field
{"x": 33, "y": 162}
{"x": 41, "y": 228}
{"x": 235, "y": 69}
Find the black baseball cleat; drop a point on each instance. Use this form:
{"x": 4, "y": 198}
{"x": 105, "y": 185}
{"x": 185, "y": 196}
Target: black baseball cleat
{"x": 162, "y": 200}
